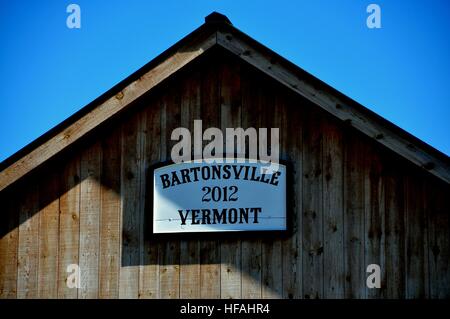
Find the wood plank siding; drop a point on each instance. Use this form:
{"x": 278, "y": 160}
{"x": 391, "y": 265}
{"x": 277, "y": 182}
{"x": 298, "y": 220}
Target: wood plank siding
{"x": 353, "y": 202}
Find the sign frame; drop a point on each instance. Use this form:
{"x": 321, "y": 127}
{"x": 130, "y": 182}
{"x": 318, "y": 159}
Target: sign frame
{"x": 252, "y": 234}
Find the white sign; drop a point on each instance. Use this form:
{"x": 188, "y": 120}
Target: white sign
{"x": 231, "y": 195}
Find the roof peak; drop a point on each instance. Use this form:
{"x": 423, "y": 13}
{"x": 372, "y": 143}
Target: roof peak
{"x": 216, "y": 17}
{"x": 217, "y": 31}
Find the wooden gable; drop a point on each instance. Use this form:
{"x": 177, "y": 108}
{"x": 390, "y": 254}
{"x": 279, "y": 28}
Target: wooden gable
{"x": 218, "y": 32}
{"x": 353, "y": 202}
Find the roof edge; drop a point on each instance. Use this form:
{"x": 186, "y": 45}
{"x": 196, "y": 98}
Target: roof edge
{"x": 111, "y": 102}
{"x": 338, "y": 104}
{"x": 218, "y": 30}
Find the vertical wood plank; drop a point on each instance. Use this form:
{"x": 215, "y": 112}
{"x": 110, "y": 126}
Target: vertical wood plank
{"x": 9, "y": 237}
{"x": 312, "y": 208}
{"x": 90, "y": 191}
{"x": 28, "y": 250}
{"x": 48, "y": 235}
{"x": 143, "y": 162}
{"x": 271, "y": 270}
{"x": 395, "y": 232}
{"x": 230, "y": 249}
{"x": 251, "y": 248}
{"x": 438, "y": 211}
{"x": 251, "y": 269}
{"x": 109, "y": 261}
{"x": 189, "y": 269}
{"x": 210, "y": 249}
{"x": 169, "y": 272}
{"x": 210, "y": 269}
{"x": 355, "y": 281}
{"x": 69, "y": 225}
{"x": 291, "y": 135}
{"x": 416, "y": 238}
{"x": 190, "y": 249}
{"x": 333, "y": 210}
{"x": 374, "y": 219}
{"x": 131, "y": 206}
{"x": 230, "y": 271}
{"x": 268, "y": 117}
{"x": 149, "y": 270}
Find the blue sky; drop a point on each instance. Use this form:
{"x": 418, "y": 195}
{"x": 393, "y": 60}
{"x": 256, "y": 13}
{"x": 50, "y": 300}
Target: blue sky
{"x": 48, "y": 71}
